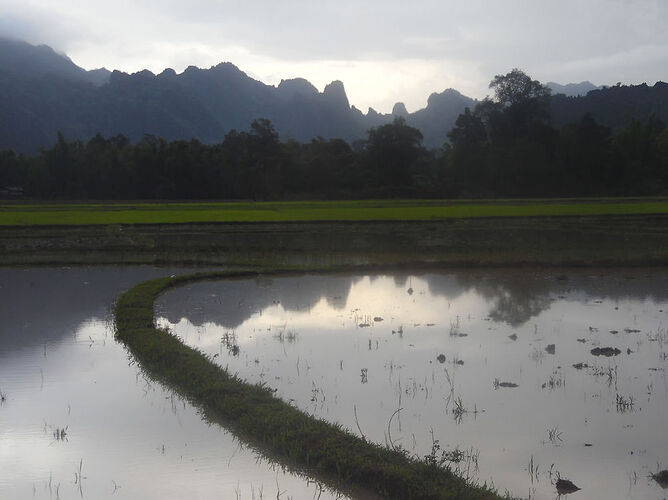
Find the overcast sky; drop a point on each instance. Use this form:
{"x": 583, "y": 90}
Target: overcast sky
{"x": 383, "y": 50}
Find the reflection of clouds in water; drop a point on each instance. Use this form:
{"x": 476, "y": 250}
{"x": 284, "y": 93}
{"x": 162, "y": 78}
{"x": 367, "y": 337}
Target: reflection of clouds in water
{"x": 512, "y": 299}
{"x": 513, "y": 296}
{"x": 231, "y": 303}
{"x": 367, "y": 298}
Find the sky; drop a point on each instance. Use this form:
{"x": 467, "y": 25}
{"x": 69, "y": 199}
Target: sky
{"x": 384, "y": 51}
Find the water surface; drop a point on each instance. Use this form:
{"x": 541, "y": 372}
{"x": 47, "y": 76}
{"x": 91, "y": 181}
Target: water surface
{"x": 78, "y": 419}
{"x": 514, "y": 378}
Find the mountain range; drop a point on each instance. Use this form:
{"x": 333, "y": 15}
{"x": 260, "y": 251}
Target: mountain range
{"x": 571, "y": 89}
{"x": 43, "y": 93}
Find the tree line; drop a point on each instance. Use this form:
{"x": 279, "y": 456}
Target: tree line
{"x": 505, "y": 147}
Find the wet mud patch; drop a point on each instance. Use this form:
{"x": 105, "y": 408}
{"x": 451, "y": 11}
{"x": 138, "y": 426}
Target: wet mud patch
{"x": 661, "y": 478}
{"x": 605, "y": 351}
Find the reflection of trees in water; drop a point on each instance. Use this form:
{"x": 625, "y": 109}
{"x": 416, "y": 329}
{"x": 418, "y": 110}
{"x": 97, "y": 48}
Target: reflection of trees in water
{"x": 518, "y": 308}
{"x": 446, "y": 285}
{"x": 516, "y": 295}
{"x": 520, "y": 294}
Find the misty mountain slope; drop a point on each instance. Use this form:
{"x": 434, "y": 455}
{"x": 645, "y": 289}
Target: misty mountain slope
{"x": 29, "y": 61}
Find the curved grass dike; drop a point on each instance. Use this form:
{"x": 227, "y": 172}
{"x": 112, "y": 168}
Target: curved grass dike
{"x": 321, "y": 450}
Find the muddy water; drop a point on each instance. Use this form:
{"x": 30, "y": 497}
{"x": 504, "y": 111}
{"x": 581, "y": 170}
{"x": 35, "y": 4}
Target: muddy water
{"x": 514, "y": 378}
{"x": 79, "y": 420}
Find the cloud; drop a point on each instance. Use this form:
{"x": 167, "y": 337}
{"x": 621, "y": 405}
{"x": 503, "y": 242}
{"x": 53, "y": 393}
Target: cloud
{"x": 639, "y": 64}
{"x": 378, "y": 48}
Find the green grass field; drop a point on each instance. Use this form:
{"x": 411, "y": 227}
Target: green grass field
{"x": 24, "y": 214}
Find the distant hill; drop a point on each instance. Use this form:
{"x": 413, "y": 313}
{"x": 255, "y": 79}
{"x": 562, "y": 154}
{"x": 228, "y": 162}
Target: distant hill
{"x": 571, "y": 89}
{"x": 43, "y": 92}
{"x": 440, "y": 115}
{"x": 614, "y": 106}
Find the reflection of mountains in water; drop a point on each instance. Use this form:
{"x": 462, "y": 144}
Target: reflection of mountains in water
{"x": 231, "y": 302}
{"x": 43, "y": 305}
{"x": 517, "y": 295}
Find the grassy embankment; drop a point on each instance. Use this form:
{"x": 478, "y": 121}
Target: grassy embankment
{"x": 322, "y": 450}
{"x": 20, "y": 214}
{"x": 403, "y": 232}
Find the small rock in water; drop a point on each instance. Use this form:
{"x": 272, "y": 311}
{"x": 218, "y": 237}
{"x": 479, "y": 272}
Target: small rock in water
{"x": 564, "y": 487}
{"x": 551, "y": 349}
{"x": 580, "y": 366}
{"x": 409, "y": 291}
{"x": 377, "y": 319}
{"x": 582, "y": 340}
{"x": 498, "y": 384}
{"x": 614, "y": 332}
{"x": 441, "y": 358}
{"x": 661, "y": 478}
{"x": 513, "y": 337}
{"x": 605, "y": 351}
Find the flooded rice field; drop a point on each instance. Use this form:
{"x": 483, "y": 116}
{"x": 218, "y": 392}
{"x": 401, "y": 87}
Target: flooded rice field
{"x": 79, "y": 420}
{"x": 524, "y": 379}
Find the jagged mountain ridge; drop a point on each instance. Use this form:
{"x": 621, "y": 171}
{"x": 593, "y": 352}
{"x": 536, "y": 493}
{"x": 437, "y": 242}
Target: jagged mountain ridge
{"x": 42, "y": 92}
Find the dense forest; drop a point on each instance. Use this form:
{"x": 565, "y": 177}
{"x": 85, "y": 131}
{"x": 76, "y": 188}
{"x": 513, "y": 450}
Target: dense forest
{"x": 506, "y": 146}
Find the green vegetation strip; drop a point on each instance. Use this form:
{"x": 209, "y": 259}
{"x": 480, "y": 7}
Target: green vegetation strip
{"x": 19, "y": 214}
{"x": 320, "y": 449}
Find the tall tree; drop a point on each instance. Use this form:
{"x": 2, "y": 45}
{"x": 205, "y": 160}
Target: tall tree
{"x": 394, "y": 150}
{"x": 517, "y": 87}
